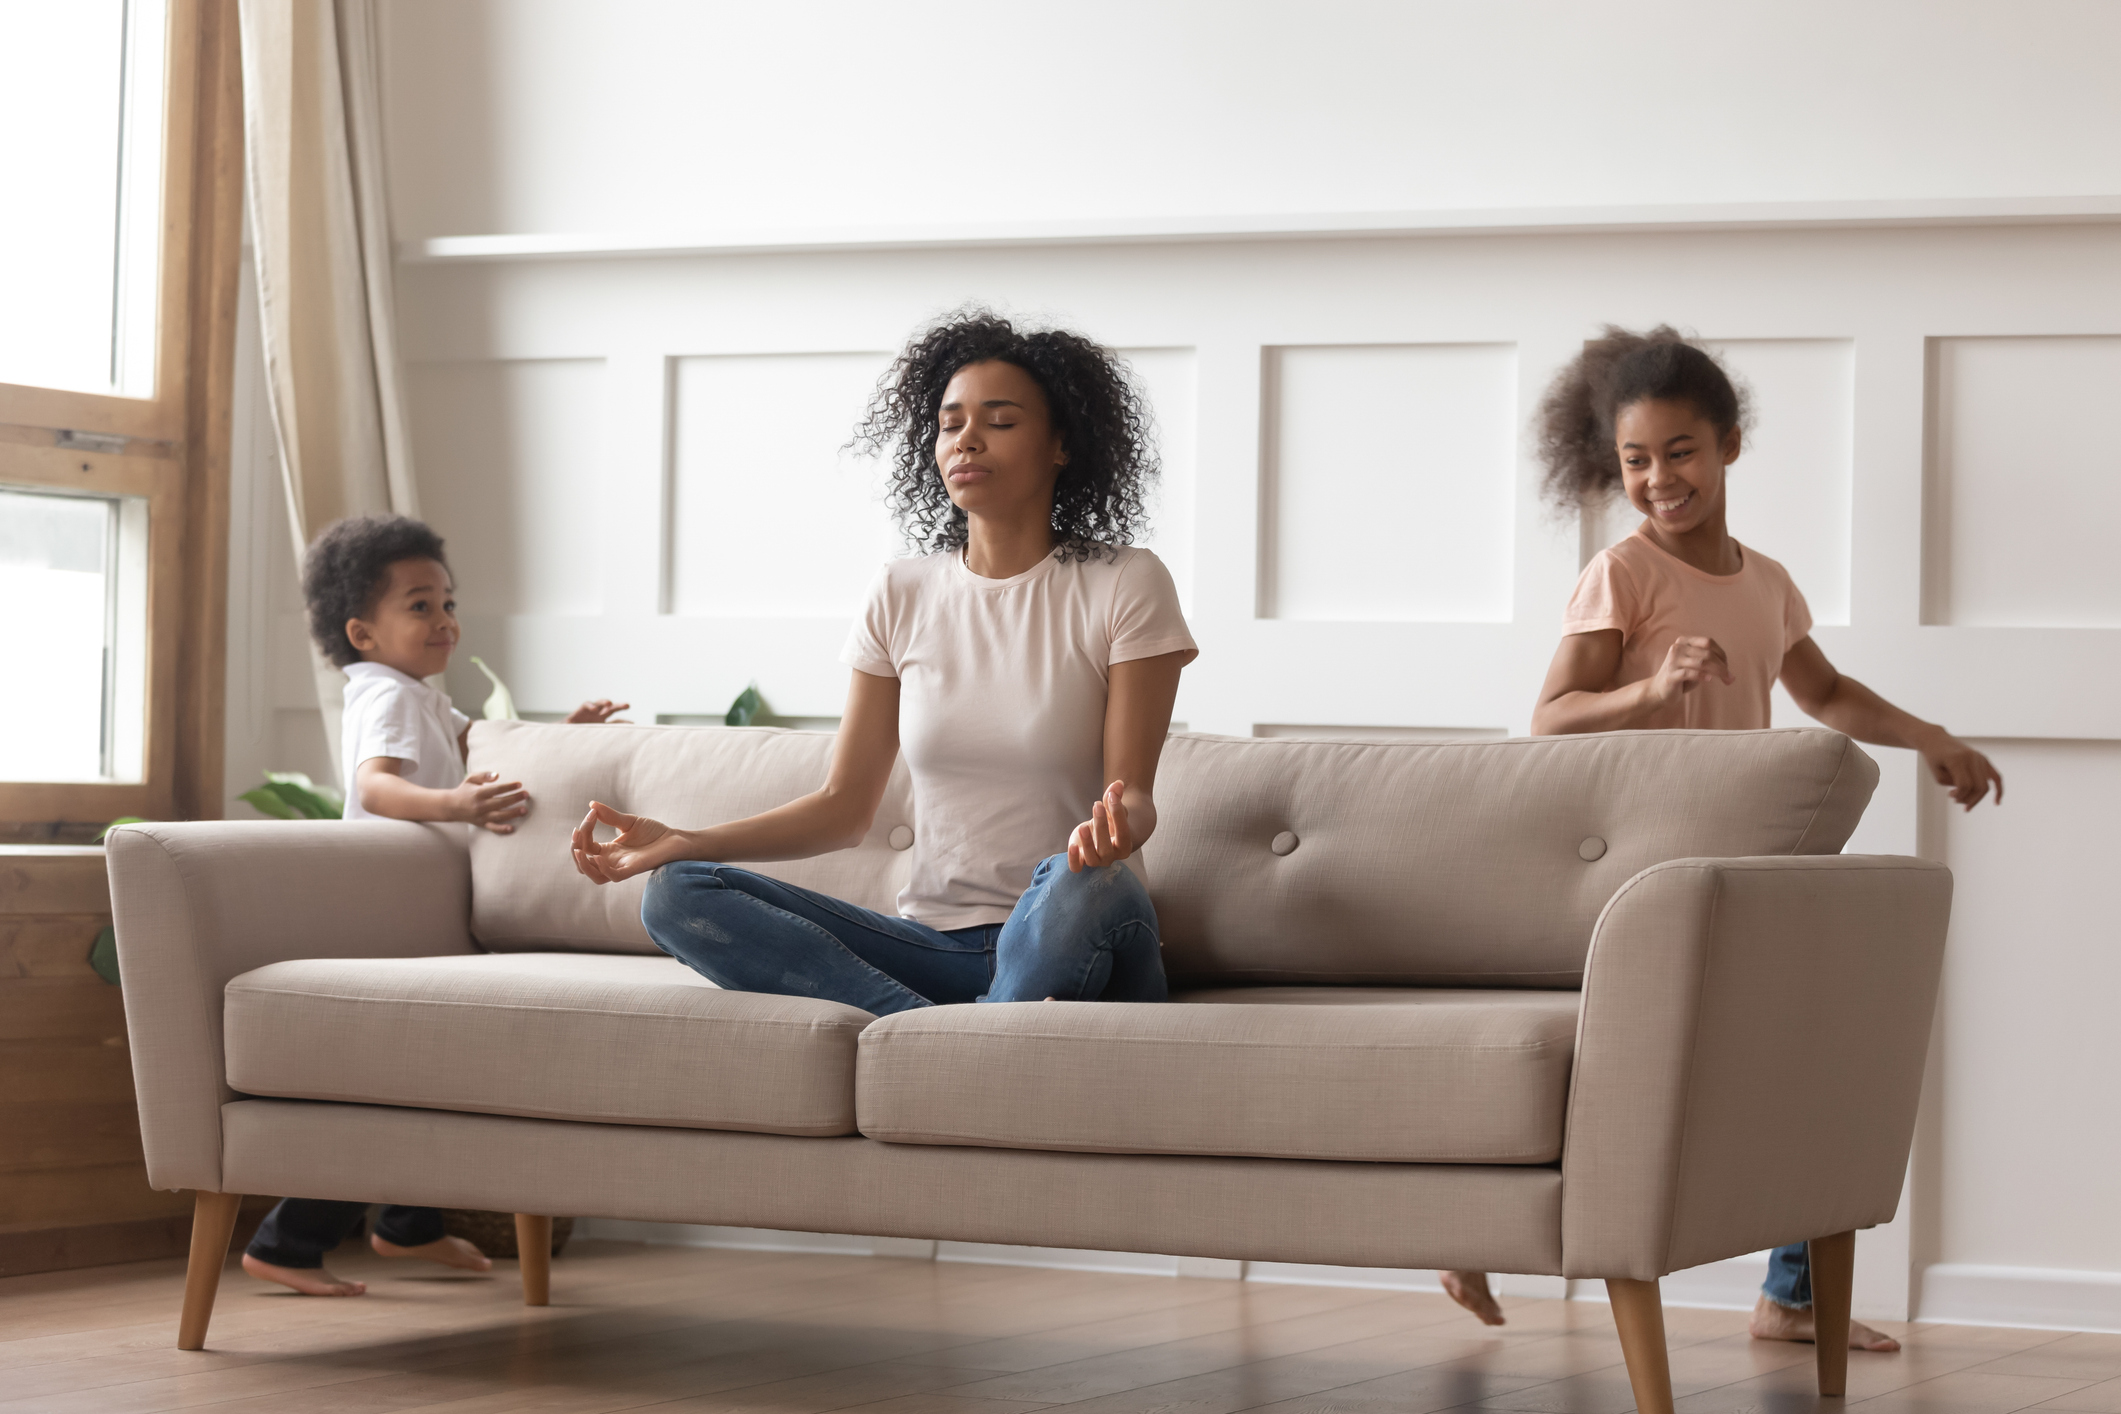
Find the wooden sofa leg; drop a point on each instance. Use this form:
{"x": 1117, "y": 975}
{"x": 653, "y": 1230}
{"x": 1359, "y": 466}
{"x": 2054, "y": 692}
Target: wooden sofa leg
{"x": 213, "y": 1221}
{"x": 1638, "y": 1310}
{"x": 534, "y": 1248}
{"x": 1833, "y": 1282}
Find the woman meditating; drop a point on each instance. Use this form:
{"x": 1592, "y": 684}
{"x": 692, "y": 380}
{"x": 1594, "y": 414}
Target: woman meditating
{"x": 1027, "y": 663}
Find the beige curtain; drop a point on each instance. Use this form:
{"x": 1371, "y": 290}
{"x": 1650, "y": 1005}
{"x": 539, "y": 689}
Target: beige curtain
{"x": 314, "y": 144}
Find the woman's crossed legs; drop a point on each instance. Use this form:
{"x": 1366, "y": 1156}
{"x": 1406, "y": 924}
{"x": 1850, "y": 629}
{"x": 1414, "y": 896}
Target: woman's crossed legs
{"x": 1088, "y": 936}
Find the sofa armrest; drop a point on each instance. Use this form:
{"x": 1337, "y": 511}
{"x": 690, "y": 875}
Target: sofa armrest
{"x": 1748, "y": 1058}
{"x": 197, "y": 904}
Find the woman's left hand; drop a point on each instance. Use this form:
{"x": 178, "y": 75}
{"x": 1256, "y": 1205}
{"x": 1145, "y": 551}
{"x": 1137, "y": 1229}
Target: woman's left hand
{"x": 601, "y": 710}
{"x": 1104, "y": 838}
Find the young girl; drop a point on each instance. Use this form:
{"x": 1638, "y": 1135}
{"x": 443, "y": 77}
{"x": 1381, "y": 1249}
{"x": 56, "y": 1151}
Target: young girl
{"x": 1679, "y": 625}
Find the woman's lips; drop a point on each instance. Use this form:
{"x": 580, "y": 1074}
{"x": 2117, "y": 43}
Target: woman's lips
{"x": 968, "y": 471}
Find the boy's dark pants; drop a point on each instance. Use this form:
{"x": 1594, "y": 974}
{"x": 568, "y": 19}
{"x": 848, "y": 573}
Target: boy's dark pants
{"x": 300, "y": 1231}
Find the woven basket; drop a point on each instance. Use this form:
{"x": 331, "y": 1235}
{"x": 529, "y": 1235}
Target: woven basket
{"x": 495, "y": 1233}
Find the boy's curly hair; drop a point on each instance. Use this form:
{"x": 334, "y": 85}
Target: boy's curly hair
{"x": 1614, "y": 371}
{"x": 1103, "y": 420}
{"x": 348, "y": 565}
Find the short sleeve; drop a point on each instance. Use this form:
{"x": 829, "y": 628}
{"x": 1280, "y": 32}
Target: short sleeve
{"x": 457, "y": 722}
{"x": 1796, "y": 616}
{"x": 387, "y": 725}
{"x": 1146, "y": 619}
{"x": 868, "y": 646}
{"x": 1605, "y": 598}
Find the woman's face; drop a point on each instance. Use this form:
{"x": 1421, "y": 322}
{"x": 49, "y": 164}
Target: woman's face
{"x": 1671, "y": 462}
{"x": 996, "y": 443}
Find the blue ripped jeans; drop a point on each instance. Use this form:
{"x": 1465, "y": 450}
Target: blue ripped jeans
{"x": 1073, "y": 937}
{"x": 1789, "y": 1276}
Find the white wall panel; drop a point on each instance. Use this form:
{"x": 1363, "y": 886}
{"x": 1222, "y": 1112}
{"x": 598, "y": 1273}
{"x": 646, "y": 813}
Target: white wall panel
{"x": 2025, "y": 483}
{"x": 1170, "y": 378}
{"x": 769, "y": 516}
{"x": 2031, "y": 1136}
{"x": 509, "y": 456}
{"x": 1393, "y": 483}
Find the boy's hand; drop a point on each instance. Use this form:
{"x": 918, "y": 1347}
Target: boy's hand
{"x": 642, "y": 844}
{"x": 1689, "y": 663}
{"x": 1104, "y": 838}
{"x": 1960, "y": 768}
{"x": 486, "y": 800}
{"x": 600, "y": 710}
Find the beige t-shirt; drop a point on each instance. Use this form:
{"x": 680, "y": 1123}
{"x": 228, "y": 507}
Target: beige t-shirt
{"x": 1002, "y": 708}
{"x": 1654, "y": 597}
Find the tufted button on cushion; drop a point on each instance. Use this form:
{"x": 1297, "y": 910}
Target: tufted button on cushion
{"x": 1285, "y": 843}
{"x": 902, "y": 837}
{"x": 1591, "y": 848}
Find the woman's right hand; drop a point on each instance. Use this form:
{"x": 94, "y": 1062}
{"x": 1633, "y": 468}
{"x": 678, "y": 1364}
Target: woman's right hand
{"x": 1689, "y": 663}
{"x": 642, "y": 844}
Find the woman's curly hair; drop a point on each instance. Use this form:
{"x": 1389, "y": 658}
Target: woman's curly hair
{"x": 1104, "y": 423}
{"x": 1614, "y": 371}
{"x": 348, "y": 565}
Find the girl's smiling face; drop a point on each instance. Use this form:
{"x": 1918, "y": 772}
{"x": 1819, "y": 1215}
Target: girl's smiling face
{"x": 995, "y": 441}
{"x": 1672, "y": 461}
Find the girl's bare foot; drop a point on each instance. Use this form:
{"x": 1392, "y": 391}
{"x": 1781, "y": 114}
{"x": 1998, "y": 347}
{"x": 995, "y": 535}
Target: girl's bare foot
{"x": 1774, "y": 1321}
{"x": 1470, "y": 1290}
{"x": 449, "y": 1251}
{"x": 310, "y": 1281}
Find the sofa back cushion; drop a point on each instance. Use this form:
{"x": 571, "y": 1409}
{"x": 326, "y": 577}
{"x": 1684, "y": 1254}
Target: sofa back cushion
{"x": 525, "y": 893}
{"x": 1465, "y": 863}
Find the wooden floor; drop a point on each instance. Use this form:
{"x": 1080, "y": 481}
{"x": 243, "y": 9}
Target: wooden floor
{"x": 669, "y": 1328}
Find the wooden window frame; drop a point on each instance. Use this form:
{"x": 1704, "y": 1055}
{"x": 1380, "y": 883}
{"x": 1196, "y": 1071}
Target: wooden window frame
{"x": 174, "y": 452}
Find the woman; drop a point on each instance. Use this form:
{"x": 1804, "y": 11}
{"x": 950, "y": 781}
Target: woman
{"x": 1027, "y": 663}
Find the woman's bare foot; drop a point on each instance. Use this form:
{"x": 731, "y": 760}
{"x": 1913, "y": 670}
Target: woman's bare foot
{"x": 310, "y": 1281}
{"x": 1470, "y": 1290}
{"x": 449, "y": 1251}
{"x": 1774, "y": 1321}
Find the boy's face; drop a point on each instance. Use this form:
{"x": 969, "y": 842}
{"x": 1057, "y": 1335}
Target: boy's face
{"x": 413, "y": 626}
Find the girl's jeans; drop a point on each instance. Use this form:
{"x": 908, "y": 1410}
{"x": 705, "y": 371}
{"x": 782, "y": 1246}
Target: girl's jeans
{"x": 1789, "y": 1276}
{"x": 1072, "y": 937}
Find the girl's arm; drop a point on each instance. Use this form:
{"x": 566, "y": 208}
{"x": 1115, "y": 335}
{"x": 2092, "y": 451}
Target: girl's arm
{"x": 483, "y": 799}
{"x": 1138, "y": 703}
{"x": 1849, "y": 707}
{"x": 1579, "y": 695}
{"x": 834, "y": 816}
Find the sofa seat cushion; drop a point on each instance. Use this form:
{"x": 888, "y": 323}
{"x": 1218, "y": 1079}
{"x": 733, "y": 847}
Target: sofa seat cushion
{"x": 1389, "y": 1075}
{"x": 578, "y": 1036}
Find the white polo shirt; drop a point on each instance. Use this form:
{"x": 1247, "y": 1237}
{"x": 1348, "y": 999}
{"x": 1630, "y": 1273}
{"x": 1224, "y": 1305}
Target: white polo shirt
{"x": 391, "y": 714}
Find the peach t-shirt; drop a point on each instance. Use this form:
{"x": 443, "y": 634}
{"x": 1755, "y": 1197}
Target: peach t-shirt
{"x": 1653, "y": 597}
{"x": 1002, "y": 686}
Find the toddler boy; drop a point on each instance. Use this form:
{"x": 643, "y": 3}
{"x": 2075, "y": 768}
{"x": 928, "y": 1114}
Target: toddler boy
{"x": 382, "y": 607}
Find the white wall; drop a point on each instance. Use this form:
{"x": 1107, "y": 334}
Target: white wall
{"x": 585, "y": 429}
{"x": 657, "y": 115}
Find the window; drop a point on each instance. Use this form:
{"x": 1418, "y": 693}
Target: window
{"x": 117, "y": 335}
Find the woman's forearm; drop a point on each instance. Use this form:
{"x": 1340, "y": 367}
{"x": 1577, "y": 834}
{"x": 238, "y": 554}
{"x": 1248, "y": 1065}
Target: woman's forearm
{"x": 1574, "y": 713}
{"x": 1141, "y": 814}
{"x": 814, "y": 824}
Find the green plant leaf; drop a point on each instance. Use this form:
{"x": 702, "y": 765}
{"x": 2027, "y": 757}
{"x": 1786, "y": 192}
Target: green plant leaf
{"x": 310, "y": 800}
{"x": 121, "y": 820}
{"x": 103, "y": 955}
{"x": 267, "y": 801}
{"x": 747, "y": 708}
{"x": 501, "y": 706}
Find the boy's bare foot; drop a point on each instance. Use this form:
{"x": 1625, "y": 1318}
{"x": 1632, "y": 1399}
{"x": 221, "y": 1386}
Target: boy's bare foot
{"x": 1470, "y": 1290}
{"x": 310, "y": 1281}
{"x": 449, "y": 1251}
{"x": 1774, "y": 1321}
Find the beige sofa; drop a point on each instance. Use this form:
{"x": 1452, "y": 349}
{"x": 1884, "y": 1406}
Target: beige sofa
{"x": 1589, "y": 1006}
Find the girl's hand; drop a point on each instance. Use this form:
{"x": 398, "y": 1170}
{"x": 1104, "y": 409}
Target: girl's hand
{"x": 1960, "y": 768}
{"x": 1689, "y": 663}
{"x": 489, "y": 802}
{"x": 600, "y": 710}
{"x": 642, "y": 844}
{"x": 1104, "y": 838}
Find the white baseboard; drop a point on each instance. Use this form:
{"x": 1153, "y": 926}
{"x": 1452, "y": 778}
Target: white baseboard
{"x": 2040, "y": 1298}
